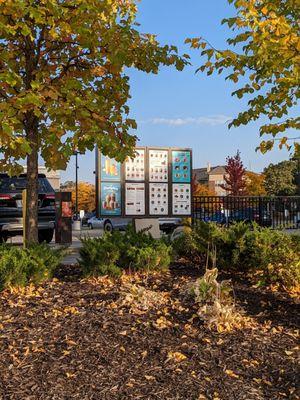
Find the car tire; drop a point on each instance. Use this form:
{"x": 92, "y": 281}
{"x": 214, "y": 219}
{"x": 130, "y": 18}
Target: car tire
{"x": 46, "y": 235}
{"x": 108, "y": 227}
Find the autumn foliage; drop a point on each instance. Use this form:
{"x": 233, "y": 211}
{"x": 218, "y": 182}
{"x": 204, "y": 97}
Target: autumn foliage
{"x": 86, "y": 195}
{"x": 255, "y": 184}
{"x": 64, "y": 85}
{"x": 235, "y": 176}
{"x": 201, "y": 190}
{"x": 262, "y": 59}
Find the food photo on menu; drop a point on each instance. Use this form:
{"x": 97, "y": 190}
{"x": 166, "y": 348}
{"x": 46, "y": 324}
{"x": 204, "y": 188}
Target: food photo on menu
{"x": 110, "y": 169}
{"x": 110, "y": 198}
{"x": 181, "y": 166}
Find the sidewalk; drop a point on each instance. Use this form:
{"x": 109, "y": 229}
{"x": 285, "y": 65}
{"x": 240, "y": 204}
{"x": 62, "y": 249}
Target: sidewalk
{"x": 73, "y": 249}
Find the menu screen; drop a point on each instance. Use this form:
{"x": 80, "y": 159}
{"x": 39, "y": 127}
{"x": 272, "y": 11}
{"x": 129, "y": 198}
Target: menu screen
{"x": 111, "y": 199}
{"x": 158, "y": 165}
{"x": 181, "y": 166}
{"x": 110, "y": 169}
{"x": 158, "y": 199}
{"x": 134, "y": 198}
{"x": 181, "y": 199}
{"x": 135, "y": 168}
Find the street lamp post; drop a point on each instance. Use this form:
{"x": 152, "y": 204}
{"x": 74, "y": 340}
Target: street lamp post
{"x": 76, "y": 185}
{"x": 297, "y": 158}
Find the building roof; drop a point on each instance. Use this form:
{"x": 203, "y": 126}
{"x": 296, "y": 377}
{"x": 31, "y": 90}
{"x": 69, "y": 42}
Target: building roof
{"x": 202, "y": 174}
{"x": 43, "y": 170}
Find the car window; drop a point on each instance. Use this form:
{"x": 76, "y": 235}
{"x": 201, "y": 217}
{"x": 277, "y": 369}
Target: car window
{"x": 13, "y": 184}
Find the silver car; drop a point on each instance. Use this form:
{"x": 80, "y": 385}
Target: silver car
{"x": 166, "y": 225}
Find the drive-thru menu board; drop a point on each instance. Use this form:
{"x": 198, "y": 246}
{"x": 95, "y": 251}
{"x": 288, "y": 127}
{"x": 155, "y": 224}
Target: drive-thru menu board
{"x": 157, "y": 182}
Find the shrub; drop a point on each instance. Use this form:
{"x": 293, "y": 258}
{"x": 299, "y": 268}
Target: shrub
{"x": 98, "y": 256}
{"x": 195, "y": 244}
{"x": 19, "y": 267}
{"x": 271, "y": 256}
{"x": 113, "y": 252}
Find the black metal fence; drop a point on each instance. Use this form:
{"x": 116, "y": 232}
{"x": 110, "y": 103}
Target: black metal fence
{"x": 275, "y": 212}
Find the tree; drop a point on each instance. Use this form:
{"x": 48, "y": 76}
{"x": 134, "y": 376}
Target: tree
{"x": 255, "y": 184}
{"x": 280, "y": 178}
{"x": 86, "y": 194}
{"x": 235, "y": 176}
{"x": 200, "y": 189}
{"x": 267, "y": 62}
{"x": 62, "y": 82}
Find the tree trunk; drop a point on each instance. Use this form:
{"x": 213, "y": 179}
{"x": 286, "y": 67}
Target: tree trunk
{"x": 31, "y": 221}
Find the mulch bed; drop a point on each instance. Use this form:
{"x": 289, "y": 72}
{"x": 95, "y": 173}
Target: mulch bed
{"x": 72, "y": 339}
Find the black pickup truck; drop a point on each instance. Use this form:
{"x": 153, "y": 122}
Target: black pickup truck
{"x": 11, "y": 210}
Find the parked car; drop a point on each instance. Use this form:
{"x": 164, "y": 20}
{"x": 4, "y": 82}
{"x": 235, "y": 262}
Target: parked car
{"x": 11, "y": 210}
{"x": 166, "y": 225}
{"x": 218, "y": 217}
{"x": 87, "y": 216}
{"x": 249, "y": 215}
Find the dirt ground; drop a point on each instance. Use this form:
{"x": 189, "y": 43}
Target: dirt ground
{"x": 83, "y": 339}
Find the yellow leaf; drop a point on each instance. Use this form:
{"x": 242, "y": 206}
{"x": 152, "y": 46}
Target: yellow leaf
{"x": 176, "y": 356}
{"x": 149, "y": 377}
{"x": 71, "y": 342}
{"x": 230, "y": 373}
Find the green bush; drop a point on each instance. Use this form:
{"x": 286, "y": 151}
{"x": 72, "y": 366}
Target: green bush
{"x": 19, "y": 267}
{"x": 113, "y": 252}
{"x": 98, "y": 256}
{"x": 274, "y": 255}
{"x": 270, "y": 255}
{"x": 196, "y": 243}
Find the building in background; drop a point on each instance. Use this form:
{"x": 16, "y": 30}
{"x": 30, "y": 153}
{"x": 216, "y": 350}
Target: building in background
{"x": 213, "y": 177}
{"x": 52, "y": 176}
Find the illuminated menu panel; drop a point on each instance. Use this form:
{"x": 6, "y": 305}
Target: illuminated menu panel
{"x": 181, "y": 196}
{"x": 111, "y": 199}
{"x": 158, "y": 166}
{"x": 158, "y": 199}
{"x": 135, "y": 168}
{"x": 181, "y": 166}
{"x": 135, "y": 198}
{"x": 110, "y": 169}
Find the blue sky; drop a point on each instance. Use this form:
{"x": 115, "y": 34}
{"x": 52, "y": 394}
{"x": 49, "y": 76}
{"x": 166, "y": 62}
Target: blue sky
{"x": 180, "y": 108}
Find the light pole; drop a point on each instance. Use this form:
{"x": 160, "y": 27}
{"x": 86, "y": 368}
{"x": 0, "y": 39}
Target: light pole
{"x": 297, "y": 158}
{"x": 76, "y": 184}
